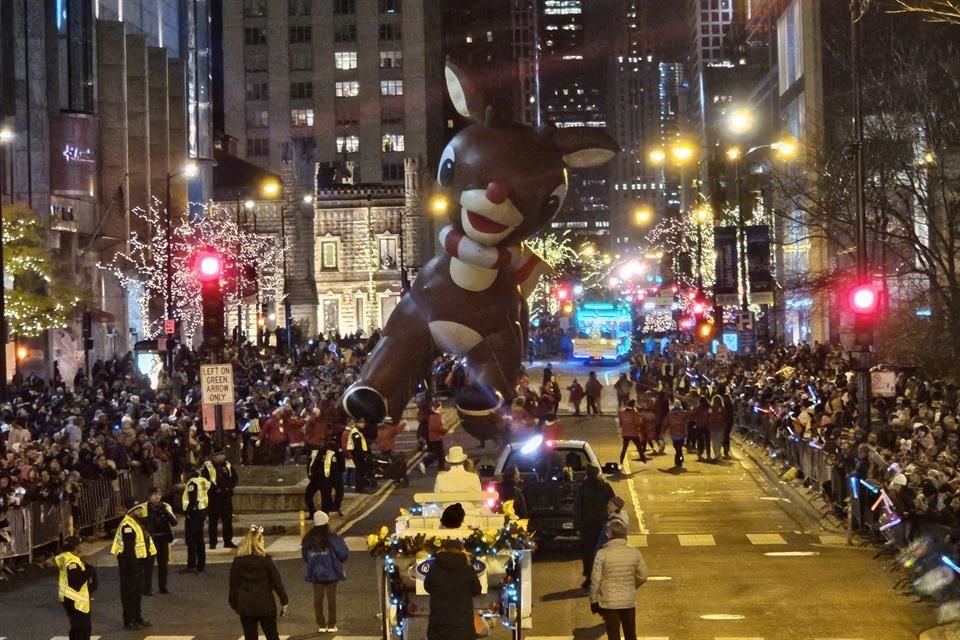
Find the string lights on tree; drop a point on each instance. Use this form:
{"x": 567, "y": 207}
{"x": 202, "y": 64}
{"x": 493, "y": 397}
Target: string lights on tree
{"x": 42, "y": 299}
{"x": 253, "y": 258}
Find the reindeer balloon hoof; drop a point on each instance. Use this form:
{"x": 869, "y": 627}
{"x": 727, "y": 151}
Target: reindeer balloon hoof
{"x": 505, "y": 183}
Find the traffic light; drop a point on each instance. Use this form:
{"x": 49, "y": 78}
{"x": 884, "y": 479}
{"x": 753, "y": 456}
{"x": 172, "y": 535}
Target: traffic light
{"x": 209, "y": 268}
{"x": 863, "y": 301}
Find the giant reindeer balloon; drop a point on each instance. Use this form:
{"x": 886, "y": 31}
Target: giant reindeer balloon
{"x": 505, "y": 182}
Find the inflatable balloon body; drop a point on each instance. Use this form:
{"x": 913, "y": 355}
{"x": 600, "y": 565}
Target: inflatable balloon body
{"x": 503, "y": 183}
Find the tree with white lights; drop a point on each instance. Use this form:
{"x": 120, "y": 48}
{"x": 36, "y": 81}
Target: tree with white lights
{"x": 41, "y": 298}
{"x": 245, "y": 254}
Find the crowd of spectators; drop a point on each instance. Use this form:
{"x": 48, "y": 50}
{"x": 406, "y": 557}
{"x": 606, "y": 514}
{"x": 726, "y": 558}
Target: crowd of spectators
{"x": 54, "y": 436}
{"x": 911, "y": 448}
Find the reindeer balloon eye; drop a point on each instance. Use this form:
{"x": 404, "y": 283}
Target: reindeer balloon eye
{"x": 551, "y": 205}
{"x": 448, "y": 162}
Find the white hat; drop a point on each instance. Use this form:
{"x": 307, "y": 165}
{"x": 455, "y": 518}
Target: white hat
{"x": 320, "y": 519}
{"x": 456, "y": 455}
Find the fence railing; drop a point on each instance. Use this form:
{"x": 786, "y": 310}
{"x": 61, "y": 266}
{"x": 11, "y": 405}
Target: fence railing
{"x": 97, "y": 503}
{"x": 858, "y": 496}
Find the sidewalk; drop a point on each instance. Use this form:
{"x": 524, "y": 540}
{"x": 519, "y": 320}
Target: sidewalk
{"x": 777, "y": 471}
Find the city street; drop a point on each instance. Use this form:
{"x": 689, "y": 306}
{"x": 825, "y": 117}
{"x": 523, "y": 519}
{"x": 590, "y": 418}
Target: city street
{"x": 730, "y": 557}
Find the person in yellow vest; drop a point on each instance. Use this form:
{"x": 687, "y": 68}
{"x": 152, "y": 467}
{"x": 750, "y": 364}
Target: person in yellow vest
{"x": 77, "y": 582}
{"x": 132, "y": 545}
{"x": 195, "y": 501}
{"x": 223, "y": 479}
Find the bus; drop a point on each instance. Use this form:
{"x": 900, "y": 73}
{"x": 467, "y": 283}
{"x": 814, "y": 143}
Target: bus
{"x": 604, "y": 332}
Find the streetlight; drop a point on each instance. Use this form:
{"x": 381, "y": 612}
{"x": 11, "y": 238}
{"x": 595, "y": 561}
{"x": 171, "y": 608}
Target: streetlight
{"x": 642, "y": 215}
{"x": 785, "y": 149}
{"x": 740, "y": 121}
{"x": 6, "y": 137}
{"x": 680, "y": 153}
{"x": 439, "y": 204}
{"x": 188, "y": 170}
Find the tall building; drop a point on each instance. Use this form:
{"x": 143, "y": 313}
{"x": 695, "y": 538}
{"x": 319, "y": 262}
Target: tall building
{"x": 574, "y": 46}
{"x": 355, "y": 84}
{"x": 97, "y": 95}
{"x": 479, "y": 36}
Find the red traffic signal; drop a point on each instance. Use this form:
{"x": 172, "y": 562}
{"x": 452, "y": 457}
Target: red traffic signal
{"x": 209, "y": 266}
{"x": 863, "y": 299}
{"x": 698, "y": 308}
{"x": 562, "y": 294}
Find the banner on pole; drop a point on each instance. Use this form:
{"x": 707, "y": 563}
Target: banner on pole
{"x": 725, "y": 288}
{"x": 758, "y": 264}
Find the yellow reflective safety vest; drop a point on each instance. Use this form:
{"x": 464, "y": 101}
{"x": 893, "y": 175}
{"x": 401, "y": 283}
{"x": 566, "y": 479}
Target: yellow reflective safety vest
{"x": 203, "y": 486}
{"x": 212, "y": 470}
{"x": 327, "y": 462}
{"x": 363, "y": 441}
{"x": 141, "y": 550}
{"x": 81, "y": 599}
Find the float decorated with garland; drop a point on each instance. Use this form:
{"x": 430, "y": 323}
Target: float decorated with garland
{"x": 498, "y": 545}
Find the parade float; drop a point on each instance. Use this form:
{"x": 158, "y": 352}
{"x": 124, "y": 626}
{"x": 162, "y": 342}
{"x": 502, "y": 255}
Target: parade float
{"x": 498, "y": 545}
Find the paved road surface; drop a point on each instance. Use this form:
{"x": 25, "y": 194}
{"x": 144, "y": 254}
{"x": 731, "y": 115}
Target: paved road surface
{"x": 731, "y": 558}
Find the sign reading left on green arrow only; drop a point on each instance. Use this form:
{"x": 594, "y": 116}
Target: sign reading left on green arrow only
{"x": 216, "y": 383}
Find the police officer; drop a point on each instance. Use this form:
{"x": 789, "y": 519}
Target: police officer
{"x": 132, "y": 545}
{"x": 77, "y": 582}
{"x": 360, "y": 454}
{"x": 160, "y": 523}
{"x": 194, "y": 501}
{"x": 223, "y": 479}
{"x": 323, "y": 469}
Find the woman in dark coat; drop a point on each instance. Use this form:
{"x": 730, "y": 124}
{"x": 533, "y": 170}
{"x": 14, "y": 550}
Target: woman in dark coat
{"x": 452, "y": 585}
{"x": 253, "y": 581}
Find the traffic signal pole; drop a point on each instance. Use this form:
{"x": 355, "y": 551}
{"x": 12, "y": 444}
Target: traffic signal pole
{"x": 862, "y": 348}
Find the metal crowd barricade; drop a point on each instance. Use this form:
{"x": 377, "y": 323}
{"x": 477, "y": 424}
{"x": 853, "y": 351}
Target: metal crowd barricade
{"x": 18, "y": 544}
{"x": 98, "y": 502}
{"x": 48, "y": 523}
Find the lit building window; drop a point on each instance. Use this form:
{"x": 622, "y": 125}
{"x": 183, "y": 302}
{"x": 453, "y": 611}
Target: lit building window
{"x": 391, "y": 87}
{"x": 391, "y": 59}
{"x": 350, "y": 89}
{"x": 345, "y": 60}
{"x": 301, "y": 117}
{"x": 392, "y": 142}
{"x": 348, "y": 144}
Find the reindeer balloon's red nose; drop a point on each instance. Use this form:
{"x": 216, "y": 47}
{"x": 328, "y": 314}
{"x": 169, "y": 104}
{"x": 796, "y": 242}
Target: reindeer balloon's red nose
{"x": 497, "y": 192}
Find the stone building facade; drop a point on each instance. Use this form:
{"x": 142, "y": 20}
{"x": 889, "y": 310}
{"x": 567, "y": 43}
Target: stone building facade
{"x": 347, "y": 253}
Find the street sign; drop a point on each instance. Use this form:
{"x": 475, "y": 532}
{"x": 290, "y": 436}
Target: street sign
{"x": 226, "y": 415}
{"x": 169, "y": 326}
{"x": 747, "y": 342}
{"x": 884, "y": 383}
{"x": 216, "y": 384}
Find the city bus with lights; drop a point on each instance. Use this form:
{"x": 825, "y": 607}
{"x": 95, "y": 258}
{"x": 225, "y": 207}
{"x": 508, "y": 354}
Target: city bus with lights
{"x": 604, "y": 332}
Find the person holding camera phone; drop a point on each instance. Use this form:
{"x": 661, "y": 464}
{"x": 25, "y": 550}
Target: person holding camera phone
{"x": 253, "y": 581}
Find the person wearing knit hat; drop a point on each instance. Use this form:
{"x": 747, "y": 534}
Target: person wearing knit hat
{"x": 324, "y": 554}
{"x": 452, "y": 517}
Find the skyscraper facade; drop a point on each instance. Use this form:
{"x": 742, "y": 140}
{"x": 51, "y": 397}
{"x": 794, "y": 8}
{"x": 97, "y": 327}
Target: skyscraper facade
{"x": 95, "y": 95}
{"x": 351, "y": 83}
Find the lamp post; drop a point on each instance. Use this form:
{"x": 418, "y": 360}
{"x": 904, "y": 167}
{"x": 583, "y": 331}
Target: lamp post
{"x": 6, "y": 137}
{"x": 188, "y": 170}
{"x": 248, "y": 205}
{"x": 785, "y": 149}
{"x": 863, "y": 351}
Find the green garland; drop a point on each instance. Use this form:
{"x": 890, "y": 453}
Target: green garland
{"x": 511, "y": 537}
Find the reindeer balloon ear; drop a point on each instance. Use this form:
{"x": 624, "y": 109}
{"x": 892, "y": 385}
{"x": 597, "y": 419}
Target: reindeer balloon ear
{"x": 584, "y": 147}
{"x": 466, "y": 97}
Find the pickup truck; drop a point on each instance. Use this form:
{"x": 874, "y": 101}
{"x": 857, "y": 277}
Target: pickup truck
{"x": 551, "y": 471}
